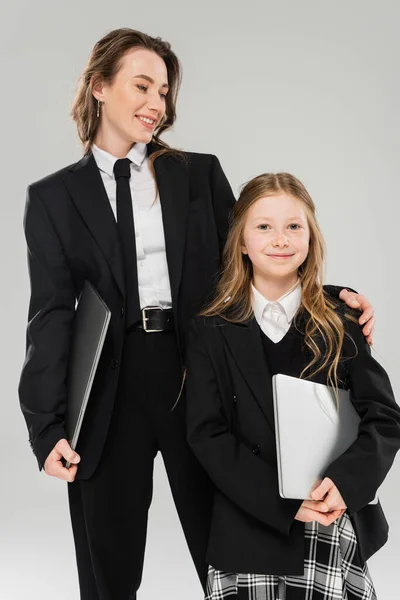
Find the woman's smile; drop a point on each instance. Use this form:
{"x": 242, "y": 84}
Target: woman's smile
{"x": 147, "y": 122}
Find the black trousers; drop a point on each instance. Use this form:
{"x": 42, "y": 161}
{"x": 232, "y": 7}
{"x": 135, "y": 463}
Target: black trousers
{"x": 109, "y": 511}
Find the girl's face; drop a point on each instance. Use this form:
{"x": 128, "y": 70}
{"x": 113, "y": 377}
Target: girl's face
{"x": 276, "y": 237}
{"x": 134, "y": 103}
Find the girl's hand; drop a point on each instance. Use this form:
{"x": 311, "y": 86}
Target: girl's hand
{"x": 328, "y": 492}
{"x": 307, "y": 515}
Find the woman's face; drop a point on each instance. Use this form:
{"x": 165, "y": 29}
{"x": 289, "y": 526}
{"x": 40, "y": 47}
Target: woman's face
{"x": 276, "y": 236}
{"x": 134, "y": 103}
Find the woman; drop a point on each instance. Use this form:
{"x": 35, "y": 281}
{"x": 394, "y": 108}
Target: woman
{"x": 271, "y": 315}
{"x": 146, "y": 225}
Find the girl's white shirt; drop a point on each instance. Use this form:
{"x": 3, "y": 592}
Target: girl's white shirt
{"x": 275, "y": 317}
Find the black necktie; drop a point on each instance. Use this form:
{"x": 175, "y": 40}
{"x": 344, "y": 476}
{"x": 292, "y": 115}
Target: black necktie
{"x": 126, "y": 227}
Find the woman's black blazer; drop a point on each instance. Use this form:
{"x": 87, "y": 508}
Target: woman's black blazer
{"x": 231, "y": 430}
{"x": 72, "y": 237}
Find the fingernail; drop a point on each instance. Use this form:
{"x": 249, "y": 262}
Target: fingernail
{"x": 76, "y": 459}
{"x": 362, "y": 321}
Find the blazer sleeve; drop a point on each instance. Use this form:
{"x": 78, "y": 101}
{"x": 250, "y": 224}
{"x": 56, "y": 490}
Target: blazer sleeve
{"x": 359, "y": 472}
{"x": 223, "y": 201}
{"x": 42, "y": 386}
{"x": 244, "y": 478}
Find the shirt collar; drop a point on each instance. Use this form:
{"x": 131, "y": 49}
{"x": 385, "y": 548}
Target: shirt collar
{"x": 105, "y": 161}
{"x": 290, "y": 303}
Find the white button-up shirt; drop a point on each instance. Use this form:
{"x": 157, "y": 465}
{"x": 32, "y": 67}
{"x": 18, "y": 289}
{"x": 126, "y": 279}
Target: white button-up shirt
{"x": 152, "y": 267}
{"x": 275, "y": 317}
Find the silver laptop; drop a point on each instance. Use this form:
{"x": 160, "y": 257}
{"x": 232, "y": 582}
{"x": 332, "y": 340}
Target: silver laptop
{"x": 310, "y": 432}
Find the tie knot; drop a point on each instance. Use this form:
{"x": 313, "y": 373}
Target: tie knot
{"x": 122, "y": 168}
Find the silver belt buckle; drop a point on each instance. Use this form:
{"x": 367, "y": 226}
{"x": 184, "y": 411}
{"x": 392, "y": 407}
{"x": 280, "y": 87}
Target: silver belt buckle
{"x": 145, "y": 319}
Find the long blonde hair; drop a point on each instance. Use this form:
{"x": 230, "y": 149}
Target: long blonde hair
{"x": 233, "y": 299}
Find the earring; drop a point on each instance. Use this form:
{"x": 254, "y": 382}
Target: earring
{"x": 98, "y": 108}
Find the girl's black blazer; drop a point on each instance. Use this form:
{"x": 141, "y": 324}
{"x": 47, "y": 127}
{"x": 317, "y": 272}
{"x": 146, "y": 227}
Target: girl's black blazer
{"x": 231, "y": 430}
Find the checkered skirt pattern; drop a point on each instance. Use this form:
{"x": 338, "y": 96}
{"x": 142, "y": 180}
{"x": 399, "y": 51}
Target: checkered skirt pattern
{"x": 332, "y": 571}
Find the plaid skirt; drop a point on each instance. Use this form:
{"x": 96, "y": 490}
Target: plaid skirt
{"x": 332, "y": 571}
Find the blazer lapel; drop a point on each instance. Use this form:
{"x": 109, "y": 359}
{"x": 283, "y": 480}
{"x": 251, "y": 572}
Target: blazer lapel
{"x": 90, "y": 197}
{"x": 173, "y": 185}
{"x": 244, "y": 343}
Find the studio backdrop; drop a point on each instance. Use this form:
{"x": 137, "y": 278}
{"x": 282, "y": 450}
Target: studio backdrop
{"x": 308, "y": 87}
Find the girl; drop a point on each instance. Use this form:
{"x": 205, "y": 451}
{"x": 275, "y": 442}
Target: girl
{"x": 271, "y": 315}
{"x": 145, "y": 224}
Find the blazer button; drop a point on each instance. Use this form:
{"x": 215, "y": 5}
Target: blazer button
{"x": 122, "y": 312}
{"x": 234, "y": 397}
{"x": 114, "y": 364}
{"x": 257, "y": 449}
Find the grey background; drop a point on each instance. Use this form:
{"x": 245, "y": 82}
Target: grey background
{"x": 307, "y": 87}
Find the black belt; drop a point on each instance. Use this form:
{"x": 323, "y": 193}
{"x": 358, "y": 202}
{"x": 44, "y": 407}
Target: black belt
{"x": 155, "y": 319}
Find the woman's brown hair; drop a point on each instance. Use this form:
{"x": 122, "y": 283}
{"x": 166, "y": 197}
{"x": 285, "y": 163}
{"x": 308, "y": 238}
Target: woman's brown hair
{"x": 233, "y": 300}
{"x": 104, "y": 63}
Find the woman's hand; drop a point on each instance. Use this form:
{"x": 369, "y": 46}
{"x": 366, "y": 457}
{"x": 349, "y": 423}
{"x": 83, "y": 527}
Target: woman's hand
{"x": 53, "y": 465}
{"x": 330, "y": 495}
{"x": 362, "y": 303}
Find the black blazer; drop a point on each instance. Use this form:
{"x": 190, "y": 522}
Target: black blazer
{"x": 72, "y": 236}
{"x": 231, "y": 430}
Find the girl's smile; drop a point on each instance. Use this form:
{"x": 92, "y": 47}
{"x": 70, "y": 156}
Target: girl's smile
{"x": 280, "y": 256}
{"x": 276, "y": 238}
